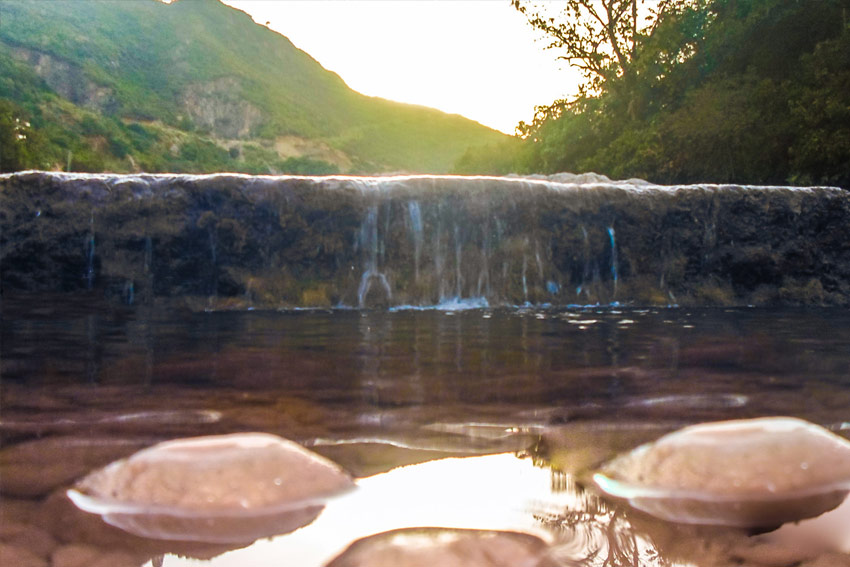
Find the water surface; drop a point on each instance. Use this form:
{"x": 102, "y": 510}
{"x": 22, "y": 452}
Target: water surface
{"x": 497, "y": 413}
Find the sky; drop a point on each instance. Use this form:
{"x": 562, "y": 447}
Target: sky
{"x": 477, "y": 58}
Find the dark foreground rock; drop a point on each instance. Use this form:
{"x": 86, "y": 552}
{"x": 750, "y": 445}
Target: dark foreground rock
{"x": 234, "y": 241}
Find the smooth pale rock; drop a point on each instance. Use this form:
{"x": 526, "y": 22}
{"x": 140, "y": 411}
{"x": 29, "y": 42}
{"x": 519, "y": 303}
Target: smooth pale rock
{"x": 747, "y": 473}
{"x": 225, "y": 488}
{"x": 429, "y": 547}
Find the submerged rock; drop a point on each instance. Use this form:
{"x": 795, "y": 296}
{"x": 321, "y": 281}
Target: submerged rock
{"x": 227, "y": 488}
{"x": 427, "y": 547}
{"x": 25, "y": 536}
{"x": 747, "y": 473}
{"x": 35, "y": 468}
{"x": 89, "y": 556}
{"x": 13, "y": 555}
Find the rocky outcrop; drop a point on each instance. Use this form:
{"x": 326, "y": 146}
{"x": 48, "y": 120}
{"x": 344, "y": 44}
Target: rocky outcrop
{"x": 241, "y": 241}
{"x": 218, "y": 106}
{"x": 68, "y": 80}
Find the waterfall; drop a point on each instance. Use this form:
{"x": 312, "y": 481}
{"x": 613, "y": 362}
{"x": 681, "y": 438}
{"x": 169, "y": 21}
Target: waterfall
{"x": 370, "y": 246}
{"x": 613, "y": 258}
{"x": 483, "y": 287}
{"x": 284, "y": 242}
{"x": 439, "y": 258}
{"x": 458, "y": 276}
{"x": 585, "y": 274}
{"x": 524, "y": 279}
{"x": 129, "y": 292}
{"x": 416, "y": 234}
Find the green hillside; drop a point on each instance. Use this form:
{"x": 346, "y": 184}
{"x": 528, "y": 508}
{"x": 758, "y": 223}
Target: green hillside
{"x": 197, "y": 86}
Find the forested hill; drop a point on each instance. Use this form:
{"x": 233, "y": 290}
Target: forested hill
{"x": 194, "y": 86}
{"x": 739, "y": 91}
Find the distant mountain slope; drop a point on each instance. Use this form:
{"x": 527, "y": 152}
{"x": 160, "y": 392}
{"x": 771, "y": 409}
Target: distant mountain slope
{"x": 197, "y": 86}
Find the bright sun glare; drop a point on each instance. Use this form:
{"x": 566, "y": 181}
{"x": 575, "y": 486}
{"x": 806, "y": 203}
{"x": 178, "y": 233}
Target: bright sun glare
{"x": 475, "y": 58}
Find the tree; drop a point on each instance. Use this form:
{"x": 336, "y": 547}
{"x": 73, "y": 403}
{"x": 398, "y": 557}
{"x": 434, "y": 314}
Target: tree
{"x": 621, "y": 46}
{"x": 683, "y": 91}
{"x": 602, "y": 38}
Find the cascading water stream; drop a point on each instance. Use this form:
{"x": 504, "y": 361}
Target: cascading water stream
{"x": 483, "y": 288}
{"x": 458, "y": 276}
{"x": 415, "y": 213}
{"x": 524, "y": 278}
{"x": 585, "y": 274}
{"x": 613, "y": 259}
{"x": 370, "y": 246}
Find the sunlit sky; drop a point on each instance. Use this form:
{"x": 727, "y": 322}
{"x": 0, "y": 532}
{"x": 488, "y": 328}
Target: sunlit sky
{"x": 477, "y": 58}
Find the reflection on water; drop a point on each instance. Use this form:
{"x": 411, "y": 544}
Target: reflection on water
{"x": 532, "y": 398}
{"x": 490, "y": 492}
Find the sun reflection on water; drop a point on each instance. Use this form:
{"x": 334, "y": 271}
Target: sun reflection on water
{"x": 495, "y": 492}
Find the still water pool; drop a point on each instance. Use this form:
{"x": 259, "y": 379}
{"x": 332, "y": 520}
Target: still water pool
{"x": 479, "y": 418}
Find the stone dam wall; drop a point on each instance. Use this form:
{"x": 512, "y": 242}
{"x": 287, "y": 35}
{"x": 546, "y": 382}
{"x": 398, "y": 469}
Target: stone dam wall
{"x": 235, "y": 241}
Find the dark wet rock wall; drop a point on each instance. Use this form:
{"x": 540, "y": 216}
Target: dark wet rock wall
{"x": 234, "y": 241}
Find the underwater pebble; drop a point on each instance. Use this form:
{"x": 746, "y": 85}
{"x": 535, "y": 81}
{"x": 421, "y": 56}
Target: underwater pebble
{"x": 429, "y": 547}
{"x": 78, "y": 555}
{"x": 27, "y": 536}
{"x": 828, "y": 560}
{"x": 13, "y": 555}
{"x": 75, "y": 555}
{"x": 18, "y": 510}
